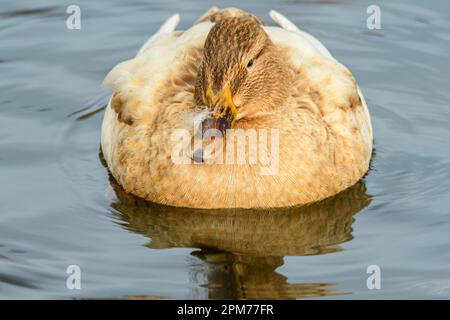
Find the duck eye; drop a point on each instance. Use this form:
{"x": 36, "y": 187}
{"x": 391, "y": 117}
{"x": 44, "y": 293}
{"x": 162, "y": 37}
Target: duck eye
{"x": 250, "y": 63}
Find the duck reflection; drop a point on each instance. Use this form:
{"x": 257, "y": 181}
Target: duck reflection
{"x": 239, "y": 250}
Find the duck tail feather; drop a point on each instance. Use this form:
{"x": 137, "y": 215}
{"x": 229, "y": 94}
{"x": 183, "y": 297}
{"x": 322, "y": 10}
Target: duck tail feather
{"x": 167, "y": 27}
{"x": 283, "y": 22}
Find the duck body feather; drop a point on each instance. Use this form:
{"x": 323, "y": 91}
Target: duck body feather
{"x": 323, "y": 127}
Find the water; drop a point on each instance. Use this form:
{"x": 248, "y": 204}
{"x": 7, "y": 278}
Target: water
{"x": 58, "y": 207}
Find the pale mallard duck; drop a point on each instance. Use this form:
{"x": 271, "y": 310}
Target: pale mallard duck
{"x": 231, "y": 71}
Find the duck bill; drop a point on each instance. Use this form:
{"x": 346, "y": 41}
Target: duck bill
{"x": 224, "y": 111}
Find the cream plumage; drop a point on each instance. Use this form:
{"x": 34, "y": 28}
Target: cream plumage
{"x": 249, "y": 76}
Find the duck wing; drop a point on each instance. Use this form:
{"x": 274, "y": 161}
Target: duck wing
{"x": 159, "y": 79}
{"x": 166, "y": 28}
{"x": 338, "y": 98}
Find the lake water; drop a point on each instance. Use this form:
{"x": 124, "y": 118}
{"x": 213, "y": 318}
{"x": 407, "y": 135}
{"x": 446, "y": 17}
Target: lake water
{"x": 58, "y": 206}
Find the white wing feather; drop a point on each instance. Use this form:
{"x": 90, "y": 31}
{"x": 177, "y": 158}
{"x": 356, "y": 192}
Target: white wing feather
{"x": 288, "y": 25}
{"x": 166, "y": 28}
{"x": 121, "y": 71}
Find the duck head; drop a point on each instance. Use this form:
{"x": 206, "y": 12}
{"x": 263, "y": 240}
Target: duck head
{"x": 242, "y": 74}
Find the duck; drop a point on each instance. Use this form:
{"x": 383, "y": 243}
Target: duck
{"x": 234, "y": 113}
